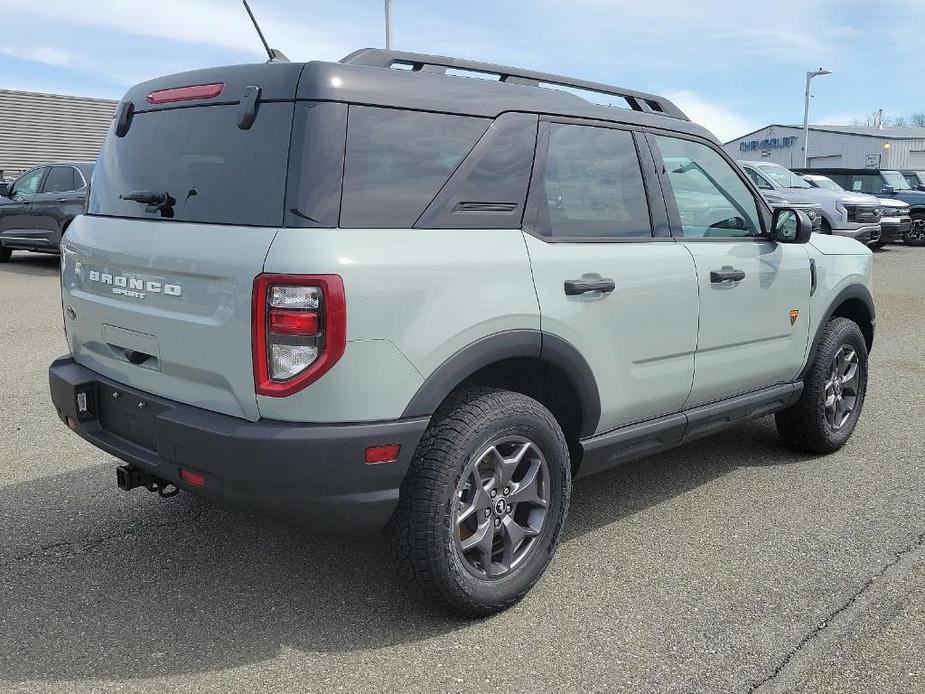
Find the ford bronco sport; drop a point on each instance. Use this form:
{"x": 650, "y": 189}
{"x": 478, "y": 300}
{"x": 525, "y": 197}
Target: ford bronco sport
{"x": 379, "y": 294}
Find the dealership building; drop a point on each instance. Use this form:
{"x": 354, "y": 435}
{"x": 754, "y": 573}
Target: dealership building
{"x": 834, "y": 146}
{"x": 40, "y": 128}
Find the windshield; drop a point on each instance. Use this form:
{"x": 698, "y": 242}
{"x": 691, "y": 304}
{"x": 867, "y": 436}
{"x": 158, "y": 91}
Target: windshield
{"x": 894, "y": 179}
{"x": 826, "y": 183}
{"x": 783, "y": 177}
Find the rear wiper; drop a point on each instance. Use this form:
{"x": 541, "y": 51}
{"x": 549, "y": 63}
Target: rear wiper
{"x": 155, "y": 201}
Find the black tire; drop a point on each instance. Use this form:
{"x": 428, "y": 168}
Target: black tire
{"x": 826, "y": 228}
{"x": 423, "y": 534}
{"x": 916, "y": 235}
{"x": 806, "y": 426}
{"x": 878, "y": 245}
{"x": 5, "y": 254}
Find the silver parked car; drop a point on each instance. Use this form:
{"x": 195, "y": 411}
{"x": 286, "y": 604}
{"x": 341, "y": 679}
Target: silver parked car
{"x": 843, "y": 213}
{"x": 895, "y": 221}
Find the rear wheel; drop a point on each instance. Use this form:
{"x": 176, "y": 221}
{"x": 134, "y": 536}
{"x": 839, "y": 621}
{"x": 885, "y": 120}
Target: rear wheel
{"x": 916, "y": 235}
{"x": 828, "y": 410}
{"x": 5, "y": 254}
{"x": 484, "y": 502}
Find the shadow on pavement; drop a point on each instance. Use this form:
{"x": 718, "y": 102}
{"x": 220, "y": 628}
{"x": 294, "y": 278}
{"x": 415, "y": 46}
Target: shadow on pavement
{"x": 35, "y": 264}
{"x": 101, "y": 584}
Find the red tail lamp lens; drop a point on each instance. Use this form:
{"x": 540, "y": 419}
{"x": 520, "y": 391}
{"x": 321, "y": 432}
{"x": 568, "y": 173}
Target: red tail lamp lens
{"x": 285, "y": 322}
{"x": 387, "y": 453}
{"x": 197, "y": 479}
{"x": 197, "y": 91}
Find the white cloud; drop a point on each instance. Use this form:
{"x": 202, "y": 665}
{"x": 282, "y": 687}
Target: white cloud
{"x": 41, "y": 54}
{"x": 728, "y": 27}
{"x": 717, "y": 118}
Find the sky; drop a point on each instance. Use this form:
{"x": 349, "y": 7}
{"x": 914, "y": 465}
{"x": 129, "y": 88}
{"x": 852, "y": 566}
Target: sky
{"x": 731, "y": 65}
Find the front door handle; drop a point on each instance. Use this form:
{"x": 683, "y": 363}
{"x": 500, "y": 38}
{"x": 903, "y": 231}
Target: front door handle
{"x": 578, "y": 287}
{"x": 717, "y": 276}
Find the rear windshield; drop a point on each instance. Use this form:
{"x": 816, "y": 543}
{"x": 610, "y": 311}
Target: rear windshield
{"x": 212, "y": 170}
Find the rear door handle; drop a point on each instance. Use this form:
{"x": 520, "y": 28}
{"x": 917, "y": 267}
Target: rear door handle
{"x": 578, "y": 287}
{"x": 717, "y": 276}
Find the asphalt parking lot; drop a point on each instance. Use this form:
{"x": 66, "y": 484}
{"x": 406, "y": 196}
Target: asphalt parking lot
{"x": 729, "y": 565}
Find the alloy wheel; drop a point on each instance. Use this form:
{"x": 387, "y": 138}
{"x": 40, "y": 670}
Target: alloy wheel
{"x": 501, "y": 505}
{"x": 842, "y": 387}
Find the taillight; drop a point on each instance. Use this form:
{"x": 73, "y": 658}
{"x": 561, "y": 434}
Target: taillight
{"x": 191, "y": 93}
{"x": 299, "y": 331}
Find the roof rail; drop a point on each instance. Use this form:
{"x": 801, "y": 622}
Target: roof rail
{"x": 421, "y": 62}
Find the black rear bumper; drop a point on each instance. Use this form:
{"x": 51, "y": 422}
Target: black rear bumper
{"x": 314, "y": 474}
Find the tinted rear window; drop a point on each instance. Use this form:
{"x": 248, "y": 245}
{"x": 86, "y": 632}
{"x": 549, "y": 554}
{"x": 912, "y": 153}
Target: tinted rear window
{"x": 397, "y": 161}
{"x": 61, "y": 179}
{"x": 216, "y": 172}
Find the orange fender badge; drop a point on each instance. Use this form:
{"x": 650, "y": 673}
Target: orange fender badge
{"x": 794, "y": 314}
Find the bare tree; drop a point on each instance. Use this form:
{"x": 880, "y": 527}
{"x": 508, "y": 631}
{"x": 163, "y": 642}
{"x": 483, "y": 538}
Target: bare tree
{"x": 917, "y": 120}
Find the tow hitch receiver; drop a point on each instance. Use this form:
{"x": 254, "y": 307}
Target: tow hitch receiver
{"x": 128, "y": 477}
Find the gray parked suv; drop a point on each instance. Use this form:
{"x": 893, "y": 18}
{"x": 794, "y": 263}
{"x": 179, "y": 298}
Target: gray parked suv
{"x": 843, "y": 213}
{"x": 371, "y": 294}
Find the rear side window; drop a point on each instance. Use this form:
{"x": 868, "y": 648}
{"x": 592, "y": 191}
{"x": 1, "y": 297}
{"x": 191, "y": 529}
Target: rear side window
{"x": 397, "y": 161}
{"x": 61, "y": 179}
{"x": 213, "y": 171}
{"x": 591, "y": 186}
{"x": 866, "y": 183}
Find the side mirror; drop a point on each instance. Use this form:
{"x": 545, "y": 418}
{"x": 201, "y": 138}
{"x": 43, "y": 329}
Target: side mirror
{"x": 920, "y": 186}
{"x": 790, "y": 225}
{"x": 888, "y": 190}
{"x": 5, "y": 190}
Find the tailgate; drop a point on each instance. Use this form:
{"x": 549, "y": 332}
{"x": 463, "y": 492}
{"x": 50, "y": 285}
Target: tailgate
{"x": 165, "y": 307}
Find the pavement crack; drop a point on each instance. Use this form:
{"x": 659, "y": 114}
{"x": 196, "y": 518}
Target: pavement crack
{"x": 846, "y": 605}
{"x": 74, "y": 547}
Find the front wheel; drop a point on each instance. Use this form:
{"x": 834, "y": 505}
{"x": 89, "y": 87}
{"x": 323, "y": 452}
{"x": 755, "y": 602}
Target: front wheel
{"x": 5, "y": 254}
{"x": 828, "y": 410}
{"x": 916, "y": 235}
{"x": 484, "y": 502}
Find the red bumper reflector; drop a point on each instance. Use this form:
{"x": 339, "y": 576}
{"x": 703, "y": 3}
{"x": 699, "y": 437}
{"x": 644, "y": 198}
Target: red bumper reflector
{"x": 197, "y": 479}
{"x": 383, "y": 454}
{"x": 288, "y": 322}
{"x": 198, "y": 91}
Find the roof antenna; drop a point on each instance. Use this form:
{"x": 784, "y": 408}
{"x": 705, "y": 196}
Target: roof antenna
{"x": 275, "y": 55}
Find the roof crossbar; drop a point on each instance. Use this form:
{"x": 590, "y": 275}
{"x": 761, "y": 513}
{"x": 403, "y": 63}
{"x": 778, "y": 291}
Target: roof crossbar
{"x": 420, "y": 62}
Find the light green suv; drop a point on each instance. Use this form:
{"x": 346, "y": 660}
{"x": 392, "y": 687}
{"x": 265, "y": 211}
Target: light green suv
{"x": 377, "y": 294}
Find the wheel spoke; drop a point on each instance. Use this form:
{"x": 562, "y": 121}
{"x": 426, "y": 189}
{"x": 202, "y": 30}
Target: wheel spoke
{"x": 514, "y": 536}
{"x": 849, "y": 380}
{"x": 481, "y": 542}
{"x": 848, "y": 357}
{"x": 527, "y": 490}
{"x": 509, "y": 465}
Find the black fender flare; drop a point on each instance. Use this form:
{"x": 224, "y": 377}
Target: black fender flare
{"x": 511, "y": 344}
{"x": 852, "y": 291}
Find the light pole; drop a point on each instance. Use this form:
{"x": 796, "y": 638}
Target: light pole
{"x": 809, "y": 77}
{"x": 388, "y": 25}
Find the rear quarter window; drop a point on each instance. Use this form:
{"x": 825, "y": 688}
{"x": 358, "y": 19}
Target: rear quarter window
{"x": 216, "y": 172}
{"x": 397, "y": 161}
